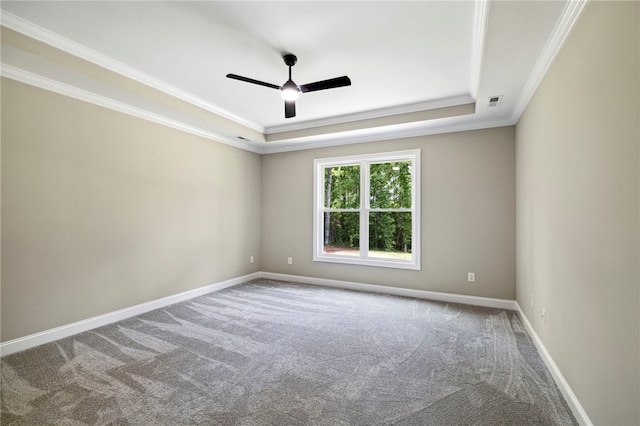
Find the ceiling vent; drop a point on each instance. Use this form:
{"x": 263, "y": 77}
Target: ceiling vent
{"x": 494, "y": 101}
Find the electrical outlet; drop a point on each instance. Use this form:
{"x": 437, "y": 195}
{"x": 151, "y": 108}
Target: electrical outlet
{"x": 290, "y": 260}
{"x": 251, "y": 259}
{"x": 471, "y": 277}
{"x": 544, "y": 316}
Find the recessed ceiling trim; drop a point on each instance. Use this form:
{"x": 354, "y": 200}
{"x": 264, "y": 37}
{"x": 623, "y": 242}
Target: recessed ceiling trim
{"x": 387, "y": 121}
{"x": 569, "y": 18}
{"x": 481, "y": 19}
{"x": 45, "y": 83}
{"x": 36, "y": 32}
{"x": 371, "y": 114}
{"x": 432, "y": 127}
{"x": 339, "y": 134}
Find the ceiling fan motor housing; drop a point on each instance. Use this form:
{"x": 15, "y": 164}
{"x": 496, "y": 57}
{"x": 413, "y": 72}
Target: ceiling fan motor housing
{"x": 290, "y": 59}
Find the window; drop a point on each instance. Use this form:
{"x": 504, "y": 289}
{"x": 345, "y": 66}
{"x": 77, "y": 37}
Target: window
{"x": 367, "y": 210}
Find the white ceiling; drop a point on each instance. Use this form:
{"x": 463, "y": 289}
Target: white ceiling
{"x": 401, "y": 56}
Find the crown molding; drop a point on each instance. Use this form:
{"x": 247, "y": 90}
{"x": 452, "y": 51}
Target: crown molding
{"x": 36, "y": 32}
{"x": 32, "y": 79}
{"x": 389, "y": 132}
{"x": 374, "y": 113}
{"x": 570, "y": 15}
{"x": 569, "y": 18}
{"x": 402, "y": 131}
{"x": 481, "y": 20}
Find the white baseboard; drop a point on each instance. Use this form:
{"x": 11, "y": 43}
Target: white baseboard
{"x": 572, "y": 401}
{"x": 27, "y": 342}
{"x": 581, "y": 416}
{"x": 33, "y": 340}
{"x": 397, "y": 291}
{"x": 23, "y": 343}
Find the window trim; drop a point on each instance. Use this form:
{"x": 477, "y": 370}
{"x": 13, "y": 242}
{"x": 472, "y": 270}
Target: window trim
{"x": 318, "y": 209}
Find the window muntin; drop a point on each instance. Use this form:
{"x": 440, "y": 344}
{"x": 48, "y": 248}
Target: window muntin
{"x": 366, "y": 210}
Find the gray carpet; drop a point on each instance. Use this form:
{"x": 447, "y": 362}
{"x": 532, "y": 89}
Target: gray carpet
{"x": 273, "y": 353}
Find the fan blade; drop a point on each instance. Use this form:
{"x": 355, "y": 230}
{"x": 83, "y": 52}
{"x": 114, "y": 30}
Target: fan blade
{"x": 251, "y": 80}
{"x": 326, "y": 84}
{"x": 289, "y": 109}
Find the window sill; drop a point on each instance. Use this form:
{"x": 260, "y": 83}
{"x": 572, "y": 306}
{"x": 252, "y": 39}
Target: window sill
{"x": 380, "y": 263}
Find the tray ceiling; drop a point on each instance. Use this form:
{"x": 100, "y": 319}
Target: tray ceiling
{"x": 416, "y": 67}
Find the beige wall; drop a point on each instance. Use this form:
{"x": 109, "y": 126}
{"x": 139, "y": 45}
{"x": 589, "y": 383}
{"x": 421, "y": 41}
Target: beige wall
{"x": 577, "y": 211}
{"x": 102, "y": 211}
{"x": 468, "y": 214}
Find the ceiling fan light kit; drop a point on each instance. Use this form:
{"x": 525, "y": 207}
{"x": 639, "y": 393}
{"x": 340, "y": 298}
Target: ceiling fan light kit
{"x": 290, "y": 91}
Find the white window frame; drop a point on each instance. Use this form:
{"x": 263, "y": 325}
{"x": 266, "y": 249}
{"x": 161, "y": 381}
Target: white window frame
{"x": 319, "y": 208}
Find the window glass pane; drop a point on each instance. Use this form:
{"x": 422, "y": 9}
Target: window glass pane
{"x": 342, "y": 187}
{"x": 390, "y": 235}
{"x": 385, "y": 220}
{"x": 390, "y": 185}
{"x": 342, "y": 233}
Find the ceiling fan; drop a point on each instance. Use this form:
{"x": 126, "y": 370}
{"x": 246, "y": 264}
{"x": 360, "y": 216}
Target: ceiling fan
{"x": 290, "y": 91}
